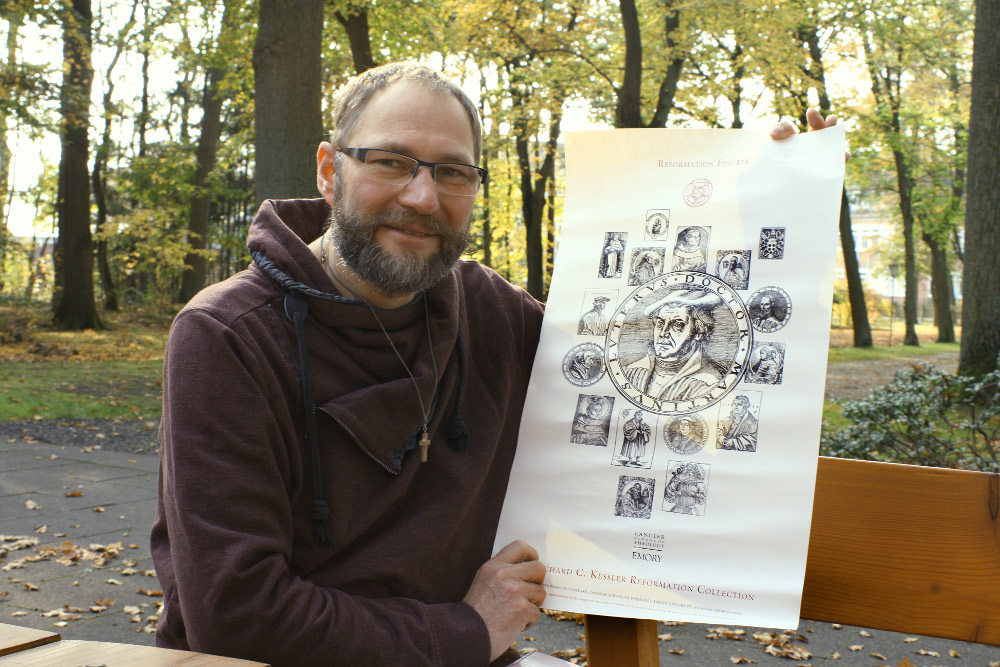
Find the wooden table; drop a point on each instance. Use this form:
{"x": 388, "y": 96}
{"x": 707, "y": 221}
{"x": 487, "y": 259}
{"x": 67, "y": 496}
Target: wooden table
{"x": 27, "y": 647}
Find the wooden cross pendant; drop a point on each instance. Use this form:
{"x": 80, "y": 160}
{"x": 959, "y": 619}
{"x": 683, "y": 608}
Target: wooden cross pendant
{"x": 425, "y": 442}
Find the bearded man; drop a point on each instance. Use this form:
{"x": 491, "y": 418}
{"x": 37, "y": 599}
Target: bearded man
{"x": 337, "y": 432}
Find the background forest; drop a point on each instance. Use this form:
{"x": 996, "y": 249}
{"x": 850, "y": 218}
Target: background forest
{"x": 137, "y": 137}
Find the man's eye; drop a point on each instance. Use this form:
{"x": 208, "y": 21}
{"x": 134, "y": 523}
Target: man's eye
{"x": 390, "y": 163}
{"x": 677, "y": 325}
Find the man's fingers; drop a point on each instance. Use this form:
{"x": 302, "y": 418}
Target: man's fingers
{"x": 817, "y": 122}
{"x": 814, "y": 119}
{"x": 517, "y": 551}
{"x": 782, "y": 130}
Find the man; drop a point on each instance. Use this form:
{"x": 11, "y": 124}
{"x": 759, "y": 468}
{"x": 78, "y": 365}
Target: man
{"x": 688, "y": 254}
{"x": 590, "y": 427}
{"x": 682, "y": 436}
{"x": 345, "y": 548}
{"x": 594, "y": 322}
{"x": 297, "y": 522}
{"x": 765, "y": 320}
{"x": 739, "y": 431}
{"x": 635, "y": 436}
{"x": 678, "y": 367}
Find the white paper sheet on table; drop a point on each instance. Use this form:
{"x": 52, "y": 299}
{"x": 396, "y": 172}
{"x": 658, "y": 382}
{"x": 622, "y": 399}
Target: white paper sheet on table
{"x": 678, "y": 485}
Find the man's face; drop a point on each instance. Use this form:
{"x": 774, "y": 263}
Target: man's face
{"x": 402, "y": 239}
{"x": 693, "y": 238}
{"x": 765, "y": 305}
{"x": 599, "y": 306}
{"x": 685, "y": 429}
{"x": 673, "y": 332}
{"x": 739, "y": 410}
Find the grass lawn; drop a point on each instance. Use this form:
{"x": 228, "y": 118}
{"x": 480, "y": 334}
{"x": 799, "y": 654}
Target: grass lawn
{"x": 111, "y": 373}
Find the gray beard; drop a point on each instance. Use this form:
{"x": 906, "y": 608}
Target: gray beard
{"x": 391, "y": 274}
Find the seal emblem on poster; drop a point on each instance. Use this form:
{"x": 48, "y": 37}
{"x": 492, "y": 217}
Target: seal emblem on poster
{"x": 679, "y": 343}
{"x": 698, "y": 192}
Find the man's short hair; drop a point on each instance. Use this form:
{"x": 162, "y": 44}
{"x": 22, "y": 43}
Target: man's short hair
{"x": 741, "y": 400}
{"x": 350, "y": 101}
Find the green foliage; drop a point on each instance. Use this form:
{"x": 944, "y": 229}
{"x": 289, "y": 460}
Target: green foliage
{"x": 924, "y": 417}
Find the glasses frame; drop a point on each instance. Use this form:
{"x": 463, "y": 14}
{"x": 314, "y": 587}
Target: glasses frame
{"x": 360, "y": 153}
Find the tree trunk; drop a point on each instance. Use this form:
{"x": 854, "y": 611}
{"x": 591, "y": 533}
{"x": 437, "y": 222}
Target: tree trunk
{"x": 288, "y": 79}
{"x": 941, "y": 289}
{"x": 73, "y": 297}
{"x": 13, "y": 27}
{"x": 668, "y": 87}
{"x": 531, "y": 213}
{"x": 981, "y": 283}
{"x": 905, "y": 184}
{"x": 355, "y": 23}
{"x": 628, "y": 112}
{"x": 196, "y": 262}
{"x": 855, "y": 288}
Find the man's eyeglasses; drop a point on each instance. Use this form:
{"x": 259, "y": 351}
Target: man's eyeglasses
{"x": 451, "y": 178}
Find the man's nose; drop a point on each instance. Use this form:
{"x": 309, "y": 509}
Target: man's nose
{"x": 421, "y": 194}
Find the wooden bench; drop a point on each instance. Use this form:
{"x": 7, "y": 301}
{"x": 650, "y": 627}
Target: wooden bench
{"x": 894, "y": 547}
{"x": 27, "y": 647}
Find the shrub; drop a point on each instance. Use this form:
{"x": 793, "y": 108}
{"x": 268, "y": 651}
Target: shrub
{"x": 924, "y": 417}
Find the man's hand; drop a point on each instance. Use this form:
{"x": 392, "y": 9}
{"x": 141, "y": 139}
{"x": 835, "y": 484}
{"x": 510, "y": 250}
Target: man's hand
{"x": 784, "y": 129}
{"x": 507, "y": 592}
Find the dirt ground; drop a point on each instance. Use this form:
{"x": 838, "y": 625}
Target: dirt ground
{"x": 857, "y": 379}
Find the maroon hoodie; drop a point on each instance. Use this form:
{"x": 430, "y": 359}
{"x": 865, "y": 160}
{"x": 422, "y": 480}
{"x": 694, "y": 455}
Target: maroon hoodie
{"x": 233, "y": 541}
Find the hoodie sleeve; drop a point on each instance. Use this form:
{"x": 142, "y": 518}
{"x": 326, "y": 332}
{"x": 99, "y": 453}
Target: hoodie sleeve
{"x": 223, "y": 537}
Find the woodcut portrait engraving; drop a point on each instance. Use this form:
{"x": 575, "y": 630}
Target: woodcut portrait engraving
{"x": 770, "y": 309}
{"x": 686, "y": 434}
{"x": 738, "y": 423}
{"x": 686, "y": 490}
{"x": 612, "y": 255}
{"x": 583, "y": 365}
{"x": 592, "y": 422}
{"x": 679, "y": 343}
{"x": 767, "y": 363}
{"x": 646, "y": 264}
{"x": 657, "y": 224}
{"x": 597, "y": 305}
{"x": 733, "y": 267}
{"x": 636, "y": 442}
{"x": 690, "y": 249}
{"x": 635, "y": 497}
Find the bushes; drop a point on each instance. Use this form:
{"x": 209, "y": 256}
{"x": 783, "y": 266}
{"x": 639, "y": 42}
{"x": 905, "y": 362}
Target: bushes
{"x": 924, "y": 417}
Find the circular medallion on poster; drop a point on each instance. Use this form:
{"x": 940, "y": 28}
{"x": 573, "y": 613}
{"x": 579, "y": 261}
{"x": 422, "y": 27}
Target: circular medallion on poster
{"x": 583, "y": 365}
{"x": 679, "y": 343}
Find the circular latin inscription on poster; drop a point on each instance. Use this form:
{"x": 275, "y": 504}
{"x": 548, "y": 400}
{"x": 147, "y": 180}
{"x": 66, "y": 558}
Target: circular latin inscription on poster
{"x": 679, "y": 343}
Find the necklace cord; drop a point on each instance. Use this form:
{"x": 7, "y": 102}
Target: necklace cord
{"x": 427, "y": 319}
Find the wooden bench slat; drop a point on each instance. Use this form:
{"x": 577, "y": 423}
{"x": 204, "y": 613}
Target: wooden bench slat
{"x": 77, "y": 652}
{"x": 14, "y": 638}
{"x": 905, "y": 548}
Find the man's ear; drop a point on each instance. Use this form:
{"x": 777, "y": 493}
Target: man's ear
{"x": 325, "y": 171}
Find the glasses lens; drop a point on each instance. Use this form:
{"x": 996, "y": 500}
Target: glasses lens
{"x": 390, "y": 167}
{"x": 457, "y": 179}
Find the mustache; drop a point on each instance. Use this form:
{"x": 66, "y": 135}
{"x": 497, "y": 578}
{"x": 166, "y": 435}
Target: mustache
{"x": 413, "y": 221}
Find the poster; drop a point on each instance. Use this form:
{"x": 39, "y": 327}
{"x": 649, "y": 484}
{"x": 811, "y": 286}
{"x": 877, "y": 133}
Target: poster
{"x": 668, "y": 448}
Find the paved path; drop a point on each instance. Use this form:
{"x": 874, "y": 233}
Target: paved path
{"x": 86, "y": 573}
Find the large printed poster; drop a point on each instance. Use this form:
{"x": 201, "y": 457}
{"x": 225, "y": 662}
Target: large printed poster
{"x": 668, "y": 449}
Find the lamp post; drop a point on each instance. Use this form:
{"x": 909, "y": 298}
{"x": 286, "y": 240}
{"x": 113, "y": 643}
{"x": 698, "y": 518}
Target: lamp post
{"x": 893, "y": 272}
